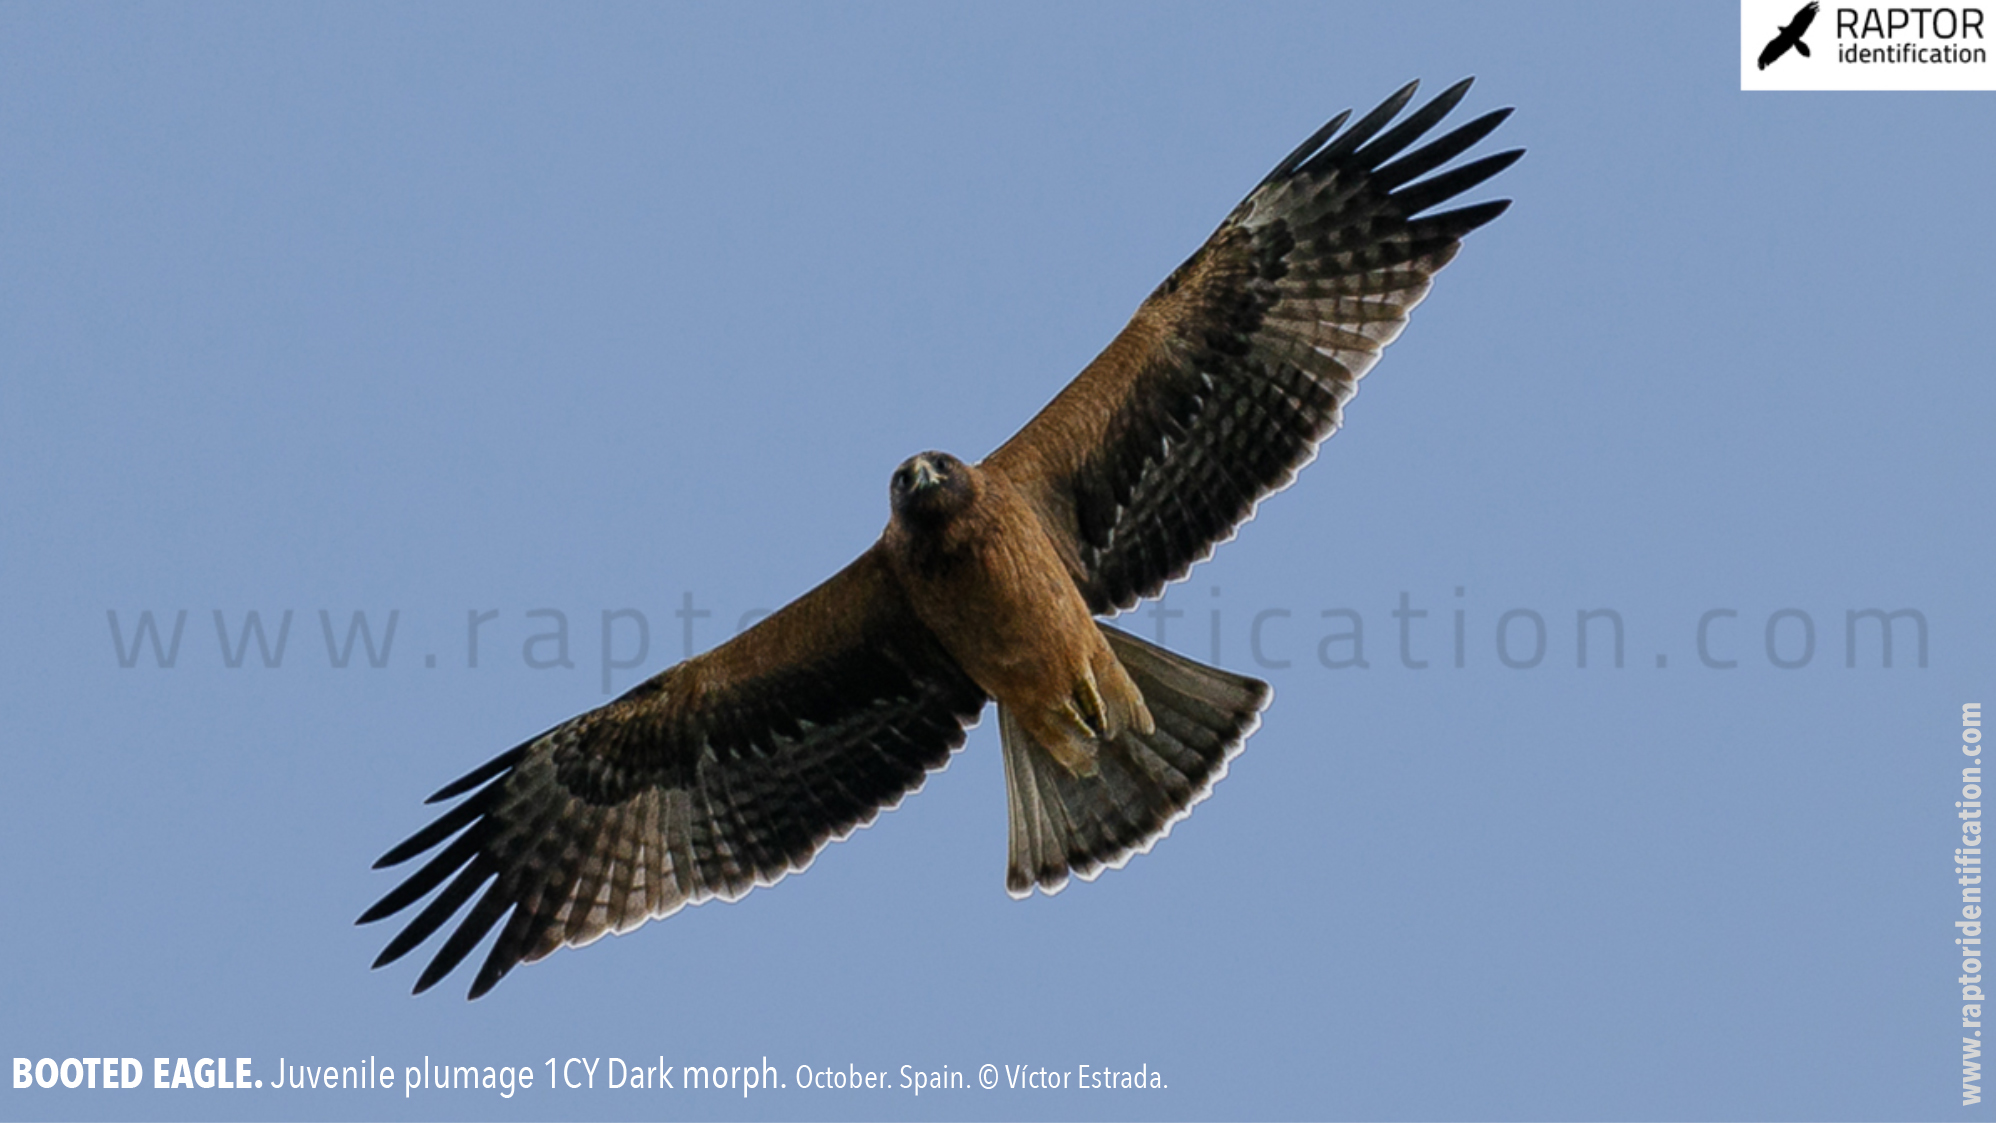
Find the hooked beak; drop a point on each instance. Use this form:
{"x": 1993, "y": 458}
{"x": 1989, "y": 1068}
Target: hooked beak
{"x": 925, "y": 475}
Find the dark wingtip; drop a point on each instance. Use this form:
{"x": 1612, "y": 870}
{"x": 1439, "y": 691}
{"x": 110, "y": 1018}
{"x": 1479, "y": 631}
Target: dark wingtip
{"x": 476, "y": 923}
{"x": 1506, "y": 158}
{"x": 1453, "y": 96}
{"x": 1463, "y": 220}
{"x": 488, "y": 977}
{"x": 444, "y": 826}
{"x": 1442, "y": 103}
{"x": 1363, "y": 130}
{"x": 417, "y": 884}
{"x": 482, "y": 773}
{"x": 1416, "y": 124}
{"x": 1304, "y": 150}
{"x": 1449, "y": 184}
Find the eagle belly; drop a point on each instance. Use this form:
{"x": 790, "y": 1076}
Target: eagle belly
{"x": 994, "y": 590}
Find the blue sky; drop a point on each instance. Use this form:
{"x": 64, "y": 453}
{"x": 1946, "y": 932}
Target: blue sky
{"x": 461, "y": 309}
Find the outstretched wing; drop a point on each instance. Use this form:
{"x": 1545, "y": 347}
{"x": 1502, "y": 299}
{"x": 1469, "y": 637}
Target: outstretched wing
{"x": 723, "y": 773}
{"x": 1233, "y": 371}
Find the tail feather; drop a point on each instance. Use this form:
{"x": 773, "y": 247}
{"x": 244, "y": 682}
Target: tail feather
{"x": 1063, "y": 824}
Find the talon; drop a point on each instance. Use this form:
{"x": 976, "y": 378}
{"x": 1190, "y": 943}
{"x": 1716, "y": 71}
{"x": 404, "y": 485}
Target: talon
{"x": 1087, "y": 710}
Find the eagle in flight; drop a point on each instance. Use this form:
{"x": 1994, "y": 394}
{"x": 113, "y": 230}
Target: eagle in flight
{"x": 734, "y": 768}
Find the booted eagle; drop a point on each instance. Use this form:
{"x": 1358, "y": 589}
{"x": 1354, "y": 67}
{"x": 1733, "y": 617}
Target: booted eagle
{"x": 735, "y": 768}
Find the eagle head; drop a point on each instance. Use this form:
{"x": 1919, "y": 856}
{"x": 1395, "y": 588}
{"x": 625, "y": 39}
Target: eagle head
{"x": 931, "y": 487}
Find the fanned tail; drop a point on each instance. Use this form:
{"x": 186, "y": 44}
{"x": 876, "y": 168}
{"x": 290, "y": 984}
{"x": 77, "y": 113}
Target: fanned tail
{"x": 1065, "y": 824}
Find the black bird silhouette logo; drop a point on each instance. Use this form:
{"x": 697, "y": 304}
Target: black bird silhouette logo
{"x": 1791, "y": 36}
